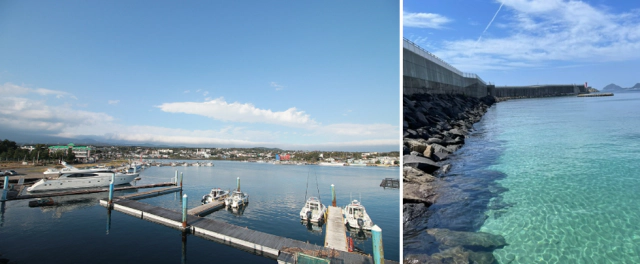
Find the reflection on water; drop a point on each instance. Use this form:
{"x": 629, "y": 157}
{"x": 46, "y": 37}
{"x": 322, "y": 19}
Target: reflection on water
{"x": 315, "y": 228}
{"x": 237, "y": 211}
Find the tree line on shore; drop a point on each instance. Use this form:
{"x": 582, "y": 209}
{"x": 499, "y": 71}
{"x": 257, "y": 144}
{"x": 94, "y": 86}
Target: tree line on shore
{"x": 10, "y": 151}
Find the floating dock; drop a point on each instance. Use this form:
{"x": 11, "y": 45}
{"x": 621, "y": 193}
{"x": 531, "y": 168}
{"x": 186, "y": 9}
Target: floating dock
{"x": 336, "y": 236}
{"x": 390, "y": 183}
{"x": 148, "y": 194}
{"x": 86, "y": 191}
{"x": 206, "y": 209}
{"x": 595, "y": 95}
{"x": 255, "y": 242}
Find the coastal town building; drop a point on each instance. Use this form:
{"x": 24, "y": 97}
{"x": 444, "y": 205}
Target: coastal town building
{"x": 82, "y": 153}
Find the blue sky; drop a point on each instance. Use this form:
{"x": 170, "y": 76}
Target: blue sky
{"x": 531, "y": 42}
{"x": 312, "y": 75}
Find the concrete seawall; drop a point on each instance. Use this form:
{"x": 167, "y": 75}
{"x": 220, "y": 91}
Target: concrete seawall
{"x": 533, "y": 91}
{"x": 425, "y": 73}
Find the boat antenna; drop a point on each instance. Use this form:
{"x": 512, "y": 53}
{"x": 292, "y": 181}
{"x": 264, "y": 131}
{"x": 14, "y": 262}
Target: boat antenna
{"x": 317, "y": 186}
{"x": 306, "y": 190}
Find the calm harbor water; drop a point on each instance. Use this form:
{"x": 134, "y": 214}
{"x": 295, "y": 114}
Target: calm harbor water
{"x": 558, "y": 178}
{"x": 76, "y": 230}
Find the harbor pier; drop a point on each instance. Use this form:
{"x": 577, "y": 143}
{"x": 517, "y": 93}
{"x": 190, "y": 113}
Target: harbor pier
{"x": 285, "y": 250}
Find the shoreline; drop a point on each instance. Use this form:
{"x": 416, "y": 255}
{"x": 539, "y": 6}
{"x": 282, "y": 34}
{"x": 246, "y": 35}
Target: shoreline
{"x": 435, "y": 127}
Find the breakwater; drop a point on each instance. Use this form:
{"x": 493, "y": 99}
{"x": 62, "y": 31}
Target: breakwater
{"x": 536, "y": 91}
{"x": 435, "y": 126}
{"x": 424, "y": 72}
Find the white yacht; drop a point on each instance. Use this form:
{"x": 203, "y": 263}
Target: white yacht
{"x": 355, "y": 216}
{"x": 81, "y": 178}
{"x": 236, "y": 199}
{"x": 67, "y": 169}
{"x": 313, "y": 211}
{"x": 215, "y": 195}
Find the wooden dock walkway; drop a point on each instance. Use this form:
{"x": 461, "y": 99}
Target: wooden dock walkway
{"x": 86, "y": 191}
{"x": 336, "y": 233}
{"x": 206, "y": 209}
{"x": 255, "y": 242}
{"x": 147, "y": 194}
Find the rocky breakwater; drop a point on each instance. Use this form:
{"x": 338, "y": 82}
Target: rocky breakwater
{"x": 435, "y": 126}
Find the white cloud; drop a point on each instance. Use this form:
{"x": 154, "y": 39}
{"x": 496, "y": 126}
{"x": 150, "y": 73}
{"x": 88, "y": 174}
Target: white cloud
{"x": 114, "y": 102}
{"x": 9, "y": 89}
{"x": 424, "y": 20}
{"x": 205, "y": 93}
{"x": 187, "y": 91}
{"x": 277, "y": 86}
{"x": 360, "y": 130}
{"x": 18, "y": 115}
{"x": 543, "y": 32}
{"x": 26, "y": 114}
{"x": 219, "y": 109}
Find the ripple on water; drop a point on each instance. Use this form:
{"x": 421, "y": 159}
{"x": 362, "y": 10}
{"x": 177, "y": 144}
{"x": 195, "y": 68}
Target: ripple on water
{"x": 574, "y": 198}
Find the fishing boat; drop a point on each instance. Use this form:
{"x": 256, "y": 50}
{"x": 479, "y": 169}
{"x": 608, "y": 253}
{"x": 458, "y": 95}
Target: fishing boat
{"x": 215, "y": 195}
{"x": 313, "y": 211}
{"x": 236, "y": 199}
{"x": 355, "y": 216}
{"x": 82, "y": 178}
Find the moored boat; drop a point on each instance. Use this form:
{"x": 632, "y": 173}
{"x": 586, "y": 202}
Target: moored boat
{"x": 313, "y": 211}
{"x": 355, "y": 216}
{"x": 82, "y": 178}
{"x": 215, "y": 195}
{"x": 236, "y": 199}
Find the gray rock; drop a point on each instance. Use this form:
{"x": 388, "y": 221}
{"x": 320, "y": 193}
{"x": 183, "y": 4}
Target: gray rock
{"x": 457, "y": 132}
{"x": 472, "y": 240}
{"x": 453, "y": 148}
{"x": 419, "y": 193}
{"x": 440, "y": 153}
{"x": 418, "y": 145}
{"x": 435, "y": 140}
{"x": 445, "y": 168}
{"x": 414, "y": 175}
{"x": 421, "y": 163}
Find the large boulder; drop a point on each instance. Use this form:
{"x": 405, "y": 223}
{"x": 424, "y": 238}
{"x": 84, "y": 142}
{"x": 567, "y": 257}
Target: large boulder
{"x": 457, "y": 133}
{"x": 419, "y": 145}
{"x": 421, "y": 163}
{"x": 428, "y": 151}
{"x": 440, "y": 153}
{"x": 453, "y": 148}
{"x": 435, "y": 140}
{"x": 410, "y": 174}
{"x": 471, "y": 240}
{"x": 419, "y": 193}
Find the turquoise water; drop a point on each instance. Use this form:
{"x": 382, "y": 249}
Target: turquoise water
{"x": 572, "y": 170}
{"x": 79, "y": 230}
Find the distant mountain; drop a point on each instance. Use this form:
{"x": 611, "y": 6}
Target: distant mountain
{"x": 612, "y": 88}
{"x": 615, "y": 88}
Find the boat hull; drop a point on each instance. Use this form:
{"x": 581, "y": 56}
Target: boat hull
{"x": 77, "y": 183}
